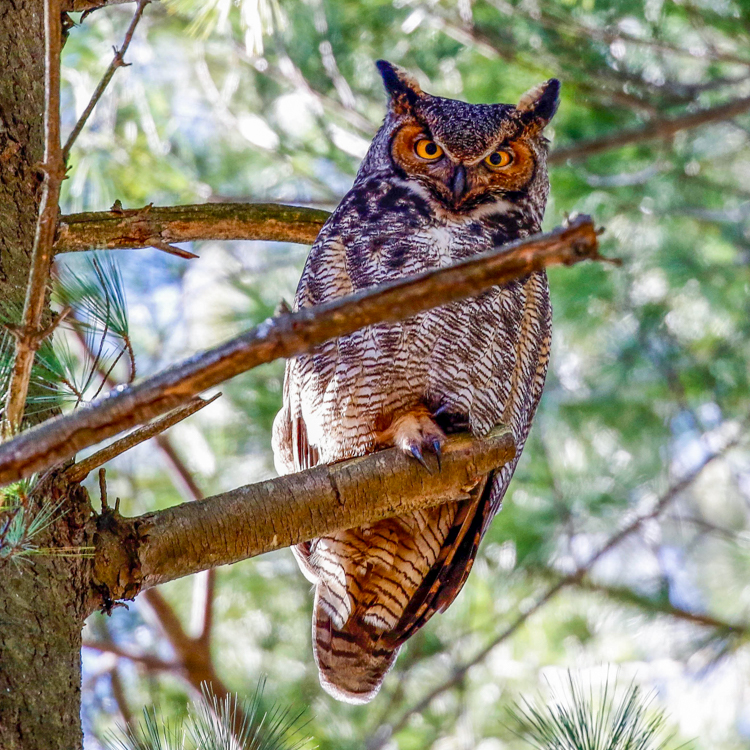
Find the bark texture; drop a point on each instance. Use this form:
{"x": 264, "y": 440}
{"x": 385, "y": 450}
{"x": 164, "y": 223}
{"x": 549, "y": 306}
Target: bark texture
{"x": 41, "y": 606}
{"x": 154, "y": 226}
{"x": 41, "y": 616}
{"x": 21, "y": 139}
{"x": 133, "y": 554}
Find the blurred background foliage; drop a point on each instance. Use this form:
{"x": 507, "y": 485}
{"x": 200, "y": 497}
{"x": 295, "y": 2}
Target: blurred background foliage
{"x": 647, "y": 399}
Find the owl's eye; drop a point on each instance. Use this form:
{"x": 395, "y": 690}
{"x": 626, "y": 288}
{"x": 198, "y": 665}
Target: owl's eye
{"x": 498, "y": 159}
{"x": 426, "y": 149}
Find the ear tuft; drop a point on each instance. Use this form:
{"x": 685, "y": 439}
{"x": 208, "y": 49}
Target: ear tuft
{"x": 401, "y": 87}
{"x": 540, "y": 103}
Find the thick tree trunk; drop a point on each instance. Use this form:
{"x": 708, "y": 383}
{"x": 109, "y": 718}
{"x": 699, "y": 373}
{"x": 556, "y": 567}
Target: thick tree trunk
{"x": 41, "y": 598}
{"x": 41, "y": 616}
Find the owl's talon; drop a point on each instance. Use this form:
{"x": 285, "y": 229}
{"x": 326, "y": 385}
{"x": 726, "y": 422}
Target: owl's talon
{"x": 416, "y": 451}
{"x": 437, "y": 449}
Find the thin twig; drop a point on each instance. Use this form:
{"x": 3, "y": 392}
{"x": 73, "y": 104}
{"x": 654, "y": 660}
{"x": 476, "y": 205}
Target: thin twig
{"x": 165, "y": 247}
{"x": 117, "y": 62}
{"x": 147, "y": 660}
{"x": 103, "y": 488}
{"x": 658, "y": 128}
{"x": 204, "y": 583}
{"x": 288, "y": 336}
{"x": 30, "y": 334}
{"x": 78, "y": 472}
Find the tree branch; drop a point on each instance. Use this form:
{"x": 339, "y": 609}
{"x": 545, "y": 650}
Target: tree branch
{"x": 118, "y": 228}
{"x": 151, "y": 226}
{"x": 137, "y": 553}
{"x": 289, "y": 335}
{"x": 193, "y": 660}
{"x": 149, "y": 661}
{"x": 30, "y": 333}
{"x": 88, "y": 6}
{"x": 659, "y": 128}
{"x": 627, "y": 596}
{"x": 117, "y": 62}
{"x": 78, "y": 472}
{"x": 204, "y": 584}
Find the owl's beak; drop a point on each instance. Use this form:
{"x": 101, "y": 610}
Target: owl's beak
{"x": 458, "y": 183}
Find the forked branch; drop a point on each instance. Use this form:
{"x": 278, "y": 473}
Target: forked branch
{"x": 289, "y": 335}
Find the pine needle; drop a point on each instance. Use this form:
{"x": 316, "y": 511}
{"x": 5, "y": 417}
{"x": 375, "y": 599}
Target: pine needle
{"x": 20, "y": 524}
{"x": 582, "y": 720}
{"x": 152, "y": 733}
{"x": 217, "y": 724}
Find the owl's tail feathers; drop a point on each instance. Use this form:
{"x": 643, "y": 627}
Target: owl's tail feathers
{"x": 352, "y": 661}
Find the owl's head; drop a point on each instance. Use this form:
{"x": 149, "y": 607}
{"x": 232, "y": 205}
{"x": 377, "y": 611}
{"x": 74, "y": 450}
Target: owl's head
{"x": 467, "y": 155}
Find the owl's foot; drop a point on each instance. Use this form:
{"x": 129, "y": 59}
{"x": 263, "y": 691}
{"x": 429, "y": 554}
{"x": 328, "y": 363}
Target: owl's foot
{"x": 415, "y": 432}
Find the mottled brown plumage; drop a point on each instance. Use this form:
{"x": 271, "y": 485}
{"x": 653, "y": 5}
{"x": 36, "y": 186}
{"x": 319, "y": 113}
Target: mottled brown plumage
{"x": 442, "y": 180}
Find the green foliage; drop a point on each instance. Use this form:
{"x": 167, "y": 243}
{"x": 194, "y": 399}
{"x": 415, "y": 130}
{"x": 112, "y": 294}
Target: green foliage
{"x": 93, "y": 290}
{"x": 95, "y": 293}
{"x": 581, "y": 720}
{"x": 21, "y": 522}
{"x": 217, "y": 724}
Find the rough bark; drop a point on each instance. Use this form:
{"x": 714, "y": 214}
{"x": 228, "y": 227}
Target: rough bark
{"x": 21, "y": 139}
{"x": 133, "y": 554}
{"x": 118, "y": 228}
{"x": 41, "y": 606}
{"x": 41, "y": 616}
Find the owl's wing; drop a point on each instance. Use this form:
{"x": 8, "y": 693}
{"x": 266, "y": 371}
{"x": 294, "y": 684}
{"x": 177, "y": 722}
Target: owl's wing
{"x": 294, "y": 452}
{"x": 448, "y": 574}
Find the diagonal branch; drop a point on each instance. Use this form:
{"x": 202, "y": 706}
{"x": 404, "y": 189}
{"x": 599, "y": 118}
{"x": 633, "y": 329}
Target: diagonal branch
{"x": 137, "y": 553}
{"x": 629, "y": 597}
{"x": 118, "y": 228}
{"x": 204, "y": 584}
{"x": 30, "y": 334}
{"x": 658, "y": 128}
{"x": 78, "y": 472}
{"x": 117, "y": 62}
{"x": 289, "y": 335}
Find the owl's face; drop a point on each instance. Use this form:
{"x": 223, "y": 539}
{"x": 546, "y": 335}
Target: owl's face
{"x": 465, "y": 155}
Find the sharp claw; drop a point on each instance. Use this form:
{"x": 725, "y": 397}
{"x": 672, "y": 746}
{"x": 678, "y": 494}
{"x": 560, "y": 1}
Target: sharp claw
{"x": 437, "y": 449}
{"x": 416, "y": 451}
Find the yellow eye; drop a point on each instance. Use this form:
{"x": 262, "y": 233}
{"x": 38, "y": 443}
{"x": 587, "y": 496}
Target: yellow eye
{"x": 426, "y": 149}
{"x": 498, "y": 159}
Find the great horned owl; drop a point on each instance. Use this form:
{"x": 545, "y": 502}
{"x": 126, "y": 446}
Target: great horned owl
{"x": 442, "y": 180}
